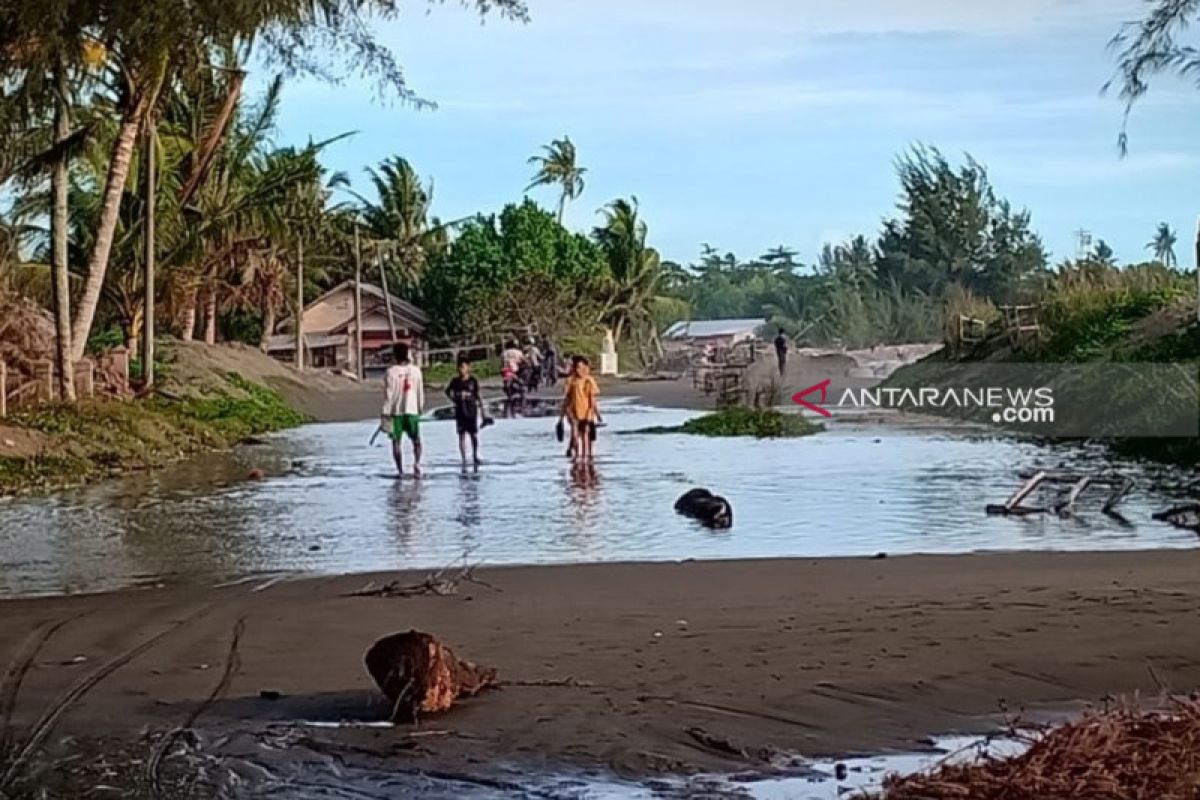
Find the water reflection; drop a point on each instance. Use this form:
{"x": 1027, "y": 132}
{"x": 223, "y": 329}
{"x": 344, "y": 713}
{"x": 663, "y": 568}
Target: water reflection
{"x": 331, "y": 503}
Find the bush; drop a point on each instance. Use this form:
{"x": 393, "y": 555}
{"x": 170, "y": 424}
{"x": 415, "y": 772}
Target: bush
{"x": 1090, "y": 308}
{"x": 759, "y": 423}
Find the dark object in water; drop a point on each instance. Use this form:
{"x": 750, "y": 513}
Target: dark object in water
{"x": 560, "y": 430}
{"x": 1185, "y": 516}
{"x": 256, "y": 475}
{"x": 420, "y": 675}
{"x": 487, "y": 422}
{"x": 270, "y": 694}
{"x": 706, "y": 507}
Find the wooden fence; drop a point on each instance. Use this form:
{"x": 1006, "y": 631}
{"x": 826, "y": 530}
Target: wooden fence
{"x": 18, "y": 391}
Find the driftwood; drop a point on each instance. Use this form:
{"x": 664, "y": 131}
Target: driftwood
{"x": 442, "y": 583}
{"x": 1186, "y": 516}
{"x": 1119, "y": 486}
{"x": 420, "y": 675}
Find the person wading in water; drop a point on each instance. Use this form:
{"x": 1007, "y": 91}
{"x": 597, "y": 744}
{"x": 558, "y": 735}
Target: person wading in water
{"x": 463, "y": 392}
{"x": 403, "y": 402}
{"x": 580, "y": 408}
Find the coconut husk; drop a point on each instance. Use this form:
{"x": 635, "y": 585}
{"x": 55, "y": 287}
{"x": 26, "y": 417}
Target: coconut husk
{"x": 1116, "y": 753}
{"x": 421, "y": 675}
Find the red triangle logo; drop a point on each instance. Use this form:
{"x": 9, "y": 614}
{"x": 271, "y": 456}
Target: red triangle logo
{"x": 823, "y": 387}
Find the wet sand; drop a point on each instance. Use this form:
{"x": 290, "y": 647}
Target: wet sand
{"x": 610, "y": 665}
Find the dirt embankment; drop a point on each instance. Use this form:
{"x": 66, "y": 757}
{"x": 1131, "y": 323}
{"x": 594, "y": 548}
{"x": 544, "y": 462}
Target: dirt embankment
{"x": 826, "y": 656}
{"x": 208, "y": 397}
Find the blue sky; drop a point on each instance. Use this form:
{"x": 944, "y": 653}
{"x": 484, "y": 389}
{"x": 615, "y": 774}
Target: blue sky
{"x": 759, "y": 122}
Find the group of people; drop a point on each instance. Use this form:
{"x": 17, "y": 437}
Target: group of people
{"x": 404, "y": 403}
{"x": 529, "y": 368}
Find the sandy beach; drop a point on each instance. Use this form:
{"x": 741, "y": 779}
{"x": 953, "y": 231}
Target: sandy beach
{"x": 610, "y": 665}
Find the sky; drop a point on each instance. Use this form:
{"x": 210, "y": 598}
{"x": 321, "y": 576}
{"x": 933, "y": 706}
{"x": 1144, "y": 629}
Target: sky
{"x": 747, "y": 124}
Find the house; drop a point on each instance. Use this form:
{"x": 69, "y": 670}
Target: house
{"x": 715, "y": 332}
{"x": 329, "y": 336}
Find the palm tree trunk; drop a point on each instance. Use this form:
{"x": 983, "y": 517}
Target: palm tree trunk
{"x": 187, "y": 328}
{"x": 562, "y": 206}
{"x": 59, "y": 273}
{"x": 210, "y": 317}
{"x": 618, "y": 329}
{"x": 268, "y": 325}
{"x": 114, "y": 187}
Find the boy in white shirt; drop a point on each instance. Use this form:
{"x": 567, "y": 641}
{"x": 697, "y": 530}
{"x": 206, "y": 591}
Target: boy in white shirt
{"x": 404, "y": 400}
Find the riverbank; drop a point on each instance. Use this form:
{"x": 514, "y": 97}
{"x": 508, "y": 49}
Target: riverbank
{"x": 208, "y": 398}
{"x": 812, "y": 656}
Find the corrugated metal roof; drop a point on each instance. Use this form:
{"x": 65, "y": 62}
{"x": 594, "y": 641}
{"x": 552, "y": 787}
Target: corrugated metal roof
{"x": 702, "y": 328}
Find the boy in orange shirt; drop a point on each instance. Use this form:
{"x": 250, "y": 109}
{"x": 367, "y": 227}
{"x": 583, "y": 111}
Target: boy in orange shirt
{"x": 580, "y": 408}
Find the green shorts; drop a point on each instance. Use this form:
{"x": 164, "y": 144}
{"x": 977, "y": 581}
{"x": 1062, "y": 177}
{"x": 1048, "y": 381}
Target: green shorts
{"x": 409, "y": 424}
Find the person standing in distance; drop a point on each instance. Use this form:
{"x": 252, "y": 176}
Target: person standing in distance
{"x": 403, "y": 402}
{"x": 781, "y": 348}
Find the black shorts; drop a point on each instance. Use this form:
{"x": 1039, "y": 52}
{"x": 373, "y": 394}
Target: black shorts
{"x": 466, "y": 421}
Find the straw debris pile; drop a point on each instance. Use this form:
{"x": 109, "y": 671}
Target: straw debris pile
{"x": 1118, "y": 753}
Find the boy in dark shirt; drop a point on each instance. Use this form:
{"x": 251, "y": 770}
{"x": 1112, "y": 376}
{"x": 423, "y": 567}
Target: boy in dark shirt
{"x": 463, "y": 392}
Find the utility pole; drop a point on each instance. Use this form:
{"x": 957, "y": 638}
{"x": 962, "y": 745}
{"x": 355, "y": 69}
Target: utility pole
{"x": 387, "y": 298}
{"x": 148, "y": 313}
{"x": 300, "y": 305}
{"x": 358, "y": 351}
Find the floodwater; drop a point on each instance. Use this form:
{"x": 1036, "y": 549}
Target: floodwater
{"x": 262, "y": 769}
{"x": 330, "y": 504}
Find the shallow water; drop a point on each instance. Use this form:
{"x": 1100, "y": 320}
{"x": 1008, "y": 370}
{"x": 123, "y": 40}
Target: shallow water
{"x": 331, "y": 504}
{"x": 267, "y": 770}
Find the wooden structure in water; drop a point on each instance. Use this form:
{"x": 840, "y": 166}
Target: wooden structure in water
{"x": 1116, "y": 486}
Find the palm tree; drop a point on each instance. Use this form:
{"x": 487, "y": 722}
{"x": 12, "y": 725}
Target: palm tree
{"x": 1163, "y": 245}
{"x": 397, "y": 225}
{"x": 782, "y": 257}
{"x": 635, "y": 270}
{"x": 556, "y": 166}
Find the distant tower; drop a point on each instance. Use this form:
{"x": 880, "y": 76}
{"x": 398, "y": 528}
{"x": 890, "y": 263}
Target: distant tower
{"x": 1083, "y": 241}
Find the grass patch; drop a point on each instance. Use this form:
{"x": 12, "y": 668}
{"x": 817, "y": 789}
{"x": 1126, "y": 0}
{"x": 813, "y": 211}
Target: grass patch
{"x": 93, "y": 440}
{"x": 758, "y": 423}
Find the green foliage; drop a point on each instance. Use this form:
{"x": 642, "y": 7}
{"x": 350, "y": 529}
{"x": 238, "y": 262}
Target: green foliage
{"x": 248, "y": 409}
{"x": 521, "y": 262}
{"x": 954, "y": 230}
{"x": 737, "y": 421}
{"x": 1092, "y": 307}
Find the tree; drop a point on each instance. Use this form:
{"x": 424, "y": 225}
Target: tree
{"x": 556, "y": 166}
{"x": 397, "y": 225}
{"x": 518, "y": 264}
{"x": 1163, "y": 245}
{"x": 954, "y": 230}
{"x": 635, "y": 270}
{"x": 1151, "y": 47}
{"x": 46, "y": 58}
{"x": 1102, "y": 255}
{"x": 146, "y": 44}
